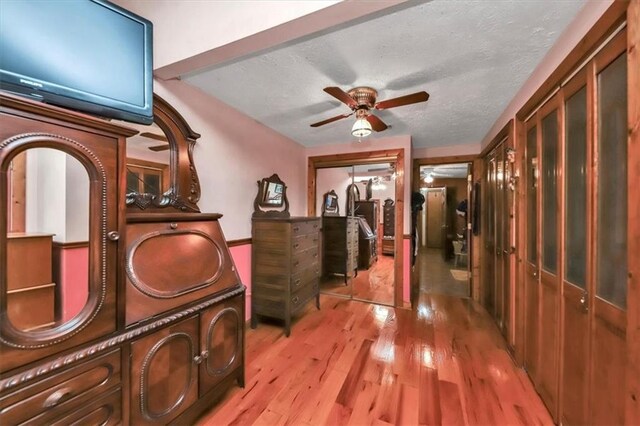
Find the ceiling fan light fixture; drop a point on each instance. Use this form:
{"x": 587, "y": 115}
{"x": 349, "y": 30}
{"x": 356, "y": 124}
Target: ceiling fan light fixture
{"x": 361, "y": 128}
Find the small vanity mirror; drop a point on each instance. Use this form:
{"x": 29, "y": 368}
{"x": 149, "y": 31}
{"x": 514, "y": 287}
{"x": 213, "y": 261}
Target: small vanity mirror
{"x": 160, "y": 169}
{"x": 272, "y": 198}
{"x": 47, "y": 239}
{"x": 330, "y": 204}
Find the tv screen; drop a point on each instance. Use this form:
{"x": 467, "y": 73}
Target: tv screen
{"x": 88, "y": 55}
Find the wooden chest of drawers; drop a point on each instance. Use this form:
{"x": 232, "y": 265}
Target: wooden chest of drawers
{"x": 340, "y": 245}
{"x": 285, "y": 267}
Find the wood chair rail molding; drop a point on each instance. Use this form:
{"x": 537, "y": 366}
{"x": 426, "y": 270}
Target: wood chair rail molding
{"x": 395, "y": 156}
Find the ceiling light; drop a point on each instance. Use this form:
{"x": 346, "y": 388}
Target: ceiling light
{"x": 361, "y": 128}
{"x": 429, "y": 178}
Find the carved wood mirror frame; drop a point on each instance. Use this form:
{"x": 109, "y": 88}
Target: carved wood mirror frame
{"x": 326, "y": 211}
{"x": 260, "y": 207}
{"x": 184, "y": 186}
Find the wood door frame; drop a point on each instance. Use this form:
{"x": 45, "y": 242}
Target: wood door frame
{"x": 393, "y": 156}
{"x": 474, "y": 259}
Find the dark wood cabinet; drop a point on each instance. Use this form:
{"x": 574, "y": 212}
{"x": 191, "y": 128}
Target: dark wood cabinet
{"x": 369, "y": 210}
{"x": 340, "y": 245}
{"x": 285, "y": 266}
{"x": 388, "y": 227}
{"x": 366, "y": 245}
{"x": 161, "y": 334}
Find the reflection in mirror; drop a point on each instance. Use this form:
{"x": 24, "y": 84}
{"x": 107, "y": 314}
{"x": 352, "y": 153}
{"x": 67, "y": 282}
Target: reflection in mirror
{"x": 272, "y": 193}
{"x": 47, "y": 243}
{"x": 375, "y": 280}
{"x": 148, "y": 156}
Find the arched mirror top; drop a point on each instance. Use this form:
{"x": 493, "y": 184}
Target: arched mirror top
{"x": 166, "y": 177}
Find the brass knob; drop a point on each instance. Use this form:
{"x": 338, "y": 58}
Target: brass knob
{"x": 113, "y": 235}
{"x": 197, "y": 359}
{"x": 173, "y": 225}
{"x": 204, "y": 354}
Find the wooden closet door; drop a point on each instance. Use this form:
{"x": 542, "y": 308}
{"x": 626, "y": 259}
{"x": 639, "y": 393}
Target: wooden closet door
{"x": 547, "y": 383}
{"x": 489, "y": 292}
{"x": 608, "y": 343}
{"x": 498, "y": 188}
{"x": 576, "y": 247}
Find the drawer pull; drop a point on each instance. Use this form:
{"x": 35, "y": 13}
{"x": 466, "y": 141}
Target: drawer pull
{"x": 296, "y": 263}
{"x": 295, "y": 300}
{"x": 296, "y": 245}
{"x": 197, "y": 359}
{"x": 297, "y": 282}
{"x": 296, "y": 229}
{"x": 58, "y": 397}
{"x": 173, "y": 225}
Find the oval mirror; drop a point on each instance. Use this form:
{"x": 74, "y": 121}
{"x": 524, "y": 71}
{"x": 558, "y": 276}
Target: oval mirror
{"x": 47, "y": 240}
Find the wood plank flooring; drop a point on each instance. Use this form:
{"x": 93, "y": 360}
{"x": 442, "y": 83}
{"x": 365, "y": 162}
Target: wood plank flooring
{"x": 435, "y": 274}
{"x": 353, "y": 363}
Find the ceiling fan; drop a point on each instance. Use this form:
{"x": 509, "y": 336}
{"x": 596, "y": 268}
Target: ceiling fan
{"x": 157, "y": 137}
{"x": 363, "y": 99}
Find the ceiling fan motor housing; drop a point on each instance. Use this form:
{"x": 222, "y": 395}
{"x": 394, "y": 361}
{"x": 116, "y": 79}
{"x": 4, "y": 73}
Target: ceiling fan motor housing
{"x": 364, "y": 96}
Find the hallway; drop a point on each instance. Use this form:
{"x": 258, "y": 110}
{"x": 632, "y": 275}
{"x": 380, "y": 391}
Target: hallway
{"x": 436, "y": 276}
{"x": 357, "y": 363}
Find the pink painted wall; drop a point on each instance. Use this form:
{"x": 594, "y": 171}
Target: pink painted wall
{"x": 447, "y": 151}
{"x": 241, "y": 256}
{"x": 73, "y": 280}
{"x": 233, "y": 153}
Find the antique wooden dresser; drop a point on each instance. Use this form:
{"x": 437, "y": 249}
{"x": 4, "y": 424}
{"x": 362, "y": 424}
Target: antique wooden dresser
{"x": 285, "y": 262}
{"x": 388, "y": 227}
{"x": 159, "y": 333}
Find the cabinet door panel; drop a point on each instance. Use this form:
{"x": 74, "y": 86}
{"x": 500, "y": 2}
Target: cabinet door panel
{"x": 163, "y": 373}
{"x": 221, "y": 340}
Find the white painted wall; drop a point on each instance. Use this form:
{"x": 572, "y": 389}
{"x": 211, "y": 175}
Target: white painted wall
{"x": 57, "y": 195}
{"x": 233, "y": 154}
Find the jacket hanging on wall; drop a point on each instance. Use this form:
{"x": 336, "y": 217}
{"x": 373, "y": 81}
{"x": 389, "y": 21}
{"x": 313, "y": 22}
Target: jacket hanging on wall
{"x": 417, "y": 200}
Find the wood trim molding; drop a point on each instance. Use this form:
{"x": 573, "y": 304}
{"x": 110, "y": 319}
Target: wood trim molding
{"x": 632, "y": 412}
{"x": 64, "y": 361}
{"x": 504, "y": 133}
{"x": 239, "y": 242}
{"x": 70, "y": 245}
{"x": 395, "y": 156}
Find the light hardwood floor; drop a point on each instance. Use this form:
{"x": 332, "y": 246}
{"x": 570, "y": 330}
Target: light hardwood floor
{"x": 358, "y": 363}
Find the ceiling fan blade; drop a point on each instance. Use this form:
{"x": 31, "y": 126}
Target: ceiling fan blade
{"x": 158, "y": 148}
{"x": 330, "y": 120}
{"x": 403, "y": 100}
{"x": 341, "y": 95}
{"x": 376, "y": 124}
{"x": 154, "y": 136}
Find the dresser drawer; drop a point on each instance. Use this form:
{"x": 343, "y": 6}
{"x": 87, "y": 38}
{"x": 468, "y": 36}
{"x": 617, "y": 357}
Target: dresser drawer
{"x": 306, "y": 277}
{"x": 305, "y": 227}
{"x": 103, "y": 411}
{"x": 301, "y": 297}
{"x": 303, "y": 260}
{"x": 304, "y": 242}
{"x": 49, "y": 398}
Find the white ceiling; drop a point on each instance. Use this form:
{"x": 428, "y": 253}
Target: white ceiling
{"x": 470, "y": 56}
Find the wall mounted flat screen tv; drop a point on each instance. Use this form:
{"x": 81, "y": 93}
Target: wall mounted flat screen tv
{"x": 88, "y": 55}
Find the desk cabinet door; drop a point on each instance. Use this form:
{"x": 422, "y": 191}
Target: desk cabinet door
{"x": 164, "y": 373}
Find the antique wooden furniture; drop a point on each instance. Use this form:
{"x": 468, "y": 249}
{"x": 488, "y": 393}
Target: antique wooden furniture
{"x": 340, "y": 246}
{"x": 388, "y": 227}
{"x": 330, "y": 206}
{"x": 369, "y": 210}
{"x": 31, "y": 291}
{"x": 271, "y": 200}
{"x": 366, "y": 245}
{"x": 285, "y": 266}
{"x": 161, "y": 333}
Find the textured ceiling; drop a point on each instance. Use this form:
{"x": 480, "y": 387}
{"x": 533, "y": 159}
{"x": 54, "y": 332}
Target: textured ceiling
{"x": 459, "y": 170}
{"x": 470, "y": 56}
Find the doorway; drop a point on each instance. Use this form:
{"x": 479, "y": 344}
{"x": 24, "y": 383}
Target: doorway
{"x": 442, "y": 229}
{"x": 366, "y": 185}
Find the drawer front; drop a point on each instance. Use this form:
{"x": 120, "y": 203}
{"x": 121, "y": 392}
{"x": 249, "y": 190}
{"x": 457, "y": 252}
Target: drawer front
{"x": 311, "y": 226}
{"x": 304, "y": 242}
{"x": 105, "y": 411}
{"x": 302, "y": 260}
{"x": 299, "y": 299}
{"x": 306, "y": 277}
{"x": 173, "y": 263}
{"x": 62, "y": 392}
